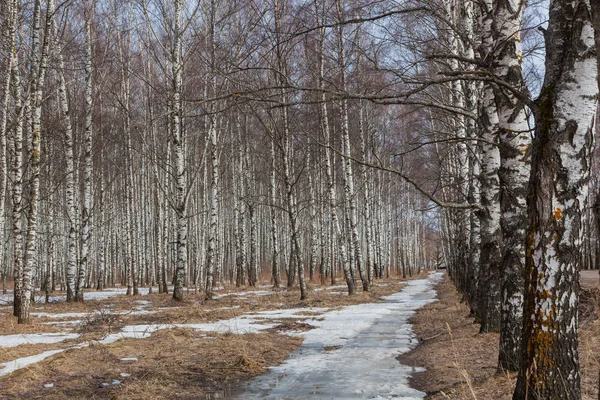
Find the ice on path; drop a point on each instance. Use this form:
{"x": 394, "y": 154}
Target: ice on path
{"x": 35, "y": 338}
{"x": 371, "y": 336}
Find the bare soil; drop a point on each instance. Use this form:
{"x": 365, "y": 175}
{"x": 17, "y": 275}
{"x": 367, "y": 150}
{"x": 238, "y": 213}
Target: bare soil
{"x": 461, "y": 363}
{"x": 590, "y": 278}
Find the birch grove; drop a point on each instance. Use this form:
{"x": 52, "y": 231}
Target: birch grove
{"x": 185, "y": 145}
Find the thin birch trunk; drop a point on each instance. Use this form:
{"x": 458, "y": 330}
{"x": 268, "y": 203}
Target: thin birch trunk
{"x": 88, "y": 160}
{"x": 178, "y": 148}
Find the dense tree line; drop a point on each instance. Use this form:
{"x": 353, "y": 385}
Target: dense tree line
{"x": 159, "y": 142}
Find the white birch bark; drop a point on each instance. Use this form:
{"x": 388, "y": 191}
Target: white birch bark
{"x": 86, "y": 208}
{"x": 349, "y": 192}
{"x": 514, "y": 172}
{"x": 179, "y": 155}
{"x": 8, "y": 43}
{"x": 274, "y": 229}
{"x": 565, "y": 116}
{"x": 295, "y": 251}
{"x": 211, "y": 255}
{"x": 314, "y": 241}
{"x": 364, "y": 137}
{"x": 489, "y": 299}
{"x": 336, "y": 234}
{"x": 32, "y": 217}
{"x": 17, "y": 186}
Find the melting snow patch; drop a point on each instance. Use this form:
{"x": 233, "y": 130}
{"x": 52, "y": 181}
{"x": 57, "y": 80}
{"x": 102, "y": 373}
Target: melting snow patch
{"x": 72, "y": 322}
{"x": 61, "y": 316}
{"x": 35, "y": 338}
{"x": 11, "y": 366}
{"x": 245, "y": 294}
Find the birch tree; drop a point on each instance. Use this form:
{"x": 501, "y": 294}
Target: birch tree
{"x": 179, "y": 155}
{"x": 88, "y": 202}
{"x": 565, "y": 113}
{"x": 515, "y": 147}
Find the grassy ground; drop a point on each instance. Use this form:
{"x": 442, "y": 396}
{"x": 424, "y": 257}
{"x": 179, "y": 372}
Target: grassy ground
{"x": 461, "y": 363}
{"x": 171, "y": 364}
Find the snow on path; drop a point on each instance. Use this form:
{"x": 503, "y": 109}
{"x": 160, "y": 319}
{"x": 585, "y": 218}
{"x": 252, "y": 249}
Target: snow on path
{"x": 371, "y": 336}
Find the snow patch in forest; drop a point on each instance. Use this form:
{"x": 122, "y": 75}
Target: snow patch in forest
{"x": 335, "y": 287}
{"x": 227, "y": 308}
{"x": 245, "y": 294}
{"x": 247, "y": 323}
{"x": 89, "y": 295}
{"x": 35, "y": 338}
{"x": 59, "y": 316}
{"x": 288, "y": 312}
{"x": 11, "y": 366}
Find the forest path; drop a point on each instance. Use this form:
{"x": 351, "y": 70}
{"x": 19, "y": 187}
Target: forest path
{"x": 352, "y": 354}
{"x": 589, "y": 278}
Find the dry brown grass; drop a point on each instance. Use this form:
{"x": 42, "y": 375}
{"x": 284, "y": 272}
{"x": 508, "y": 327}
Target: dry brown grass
{"x": 176, "y": 363}
{"x": 172, "y": 364}
{"x": 461, "y": 363}
{"x": 9, "y": 326}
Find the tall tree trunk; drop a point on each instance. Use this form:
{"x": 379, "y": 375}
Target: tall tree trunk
{"x": 489, "y": 295}
{"x": 515, "y": 147}
{"x": 179, "y": 149}
{"x": 274, "y": 228}
{"x": 70, "y": 182}
{"x": 36, "y": 148}
{"x": 286, "y": 153}
{"x": 8, "y": 44}
{"x": 565, "y": 114}
{"x": 350, "y": 198}
{"x": 86, "y": 209}
{"x": 212, "y": 258}
{"x": 17, "y": 186}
